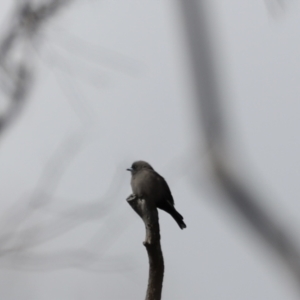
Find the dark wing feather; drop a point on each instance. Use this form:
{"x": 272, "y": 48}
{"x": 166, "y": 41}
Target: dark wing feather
{"x": 167, "y": 195}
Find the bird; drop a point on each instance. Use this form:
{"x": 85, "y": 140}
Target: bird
{"x": 147, "y": 184}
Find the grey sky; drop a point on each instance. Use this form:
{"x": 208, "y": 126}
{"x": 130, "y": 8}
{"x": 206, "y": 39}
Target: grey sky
{"x": 112, "y": 78}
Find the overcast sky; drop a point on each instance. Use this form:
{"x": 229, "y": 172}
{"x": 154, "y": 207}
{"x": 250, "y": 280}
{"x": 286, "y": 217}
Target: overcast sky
{"x": 112, "y": 85}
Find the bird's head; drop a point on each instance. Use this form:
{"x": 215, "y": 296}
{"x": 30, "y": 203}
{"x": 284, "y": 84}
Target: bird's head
{"x": 138, "y": 166}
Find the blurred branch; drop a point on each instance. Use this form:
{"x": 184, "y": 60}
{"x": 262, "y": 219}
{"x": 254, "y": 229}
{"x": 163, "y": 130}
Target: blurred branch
{"x": 212, "y": 118}
{"x": 82, "y": 259}
{"x": 33, "y": 222}
{"x": 41, "y": 196}
{"x": 275, "y": 7}
{"x": 16, "y": 61}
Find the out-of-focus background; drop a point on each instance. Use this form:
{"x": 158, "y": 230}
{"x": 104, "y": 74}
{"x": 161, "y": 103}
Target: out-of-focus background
{"x": 88, "y": 87}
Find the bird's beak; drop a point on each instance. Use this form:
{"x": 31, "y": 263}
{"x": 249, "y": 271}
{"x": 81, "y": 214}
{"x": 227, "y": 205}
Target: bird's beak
{"x": 129, "y": 169}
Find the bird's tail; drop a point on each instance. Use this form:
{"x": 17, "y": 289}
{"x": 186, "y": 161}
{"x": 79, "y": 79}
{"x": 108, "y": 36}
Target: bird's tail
{"x": 178, "y": 218}
{"x": 174, "y": 213}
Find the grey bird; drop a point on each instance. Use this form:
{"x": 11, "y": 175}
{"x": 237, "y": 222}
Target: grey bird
{"x": 148, "y": 184}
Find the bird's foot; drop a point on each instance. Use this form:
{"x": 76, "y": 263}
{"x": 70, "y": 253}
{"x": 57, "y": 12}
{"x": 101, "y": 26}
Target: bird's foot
{"x": 131, "y": 197}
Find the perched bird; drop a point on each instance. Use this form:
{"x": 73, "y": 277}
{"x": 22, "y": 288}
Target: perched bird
{"x": 148, "y": 184}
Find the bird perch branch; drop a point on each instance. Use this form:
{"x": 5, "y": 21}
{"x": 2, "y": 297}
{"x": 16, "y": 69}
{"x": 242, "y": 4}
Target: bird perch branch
{"x": 149, "y": 214}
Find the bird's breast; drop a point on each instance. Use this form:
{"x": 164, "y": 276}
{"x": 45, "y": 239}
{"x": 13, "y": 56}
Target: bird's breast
{"x": 144, "y": 185}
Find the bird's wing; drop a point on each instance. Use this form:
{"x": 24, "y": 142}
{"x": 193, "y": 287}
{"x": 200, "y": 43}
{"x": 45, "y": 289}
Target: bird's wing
{"x": 167, "y": 192}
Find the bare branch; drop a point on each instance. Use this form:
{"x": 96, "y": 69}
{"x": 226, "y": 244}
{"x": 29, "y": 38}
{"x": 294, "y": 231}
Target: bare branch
{"x": 148, "y": 212}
